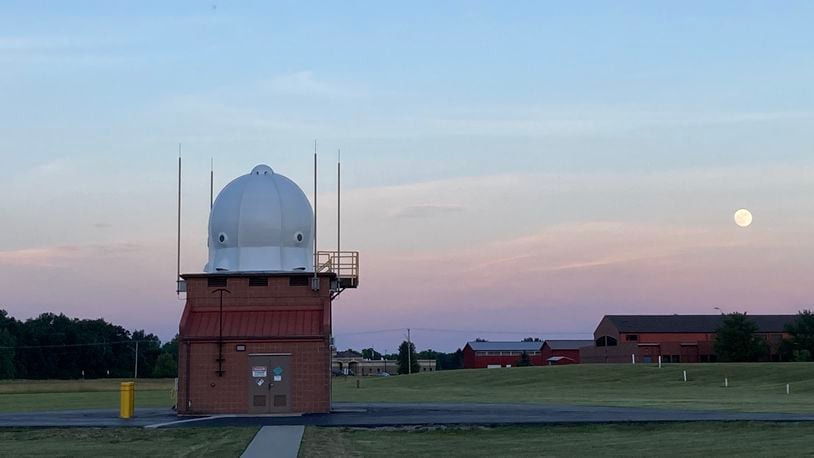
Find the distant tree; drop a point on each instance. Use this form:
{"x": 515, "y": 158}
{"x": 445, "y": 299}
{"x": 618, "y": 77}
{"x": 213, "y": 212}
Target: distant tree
{"x": 165, "y": 366}
{"x": 8, "y": 329}
{"x": 524, "y": 360}
{"x": 800, "y": 347}
{"x": 7, "y": 340}
{"x": 370, "y": 353}
{"x": 149, "y": 348}
{"x": 478, "y": 339}
{"x": 408, "y": 359}
{"x": 735, "y": 339}
{"x": 532, "y": 339}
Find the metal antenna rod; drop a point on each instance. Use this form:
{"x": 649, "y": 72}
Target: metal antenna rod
{"x": 316, "y": 261}
{"x": 338, "y": 211}
{"x": 211, "y": 182}
{"x": 178, "y": 252}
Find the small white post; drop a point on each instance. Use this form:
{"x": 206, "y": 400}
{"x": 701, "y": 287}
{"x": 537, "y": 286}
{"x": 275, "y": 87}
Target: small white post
{"x": 726, "y": 382}
{"x": 659, "y": 361}
{"x": 685, "y": 376}
{"x": 633, "y": 358}
{"x": 788, "y": 389}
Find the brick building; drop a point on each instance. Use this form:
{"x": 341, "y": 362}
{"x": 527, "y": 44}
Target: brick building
{"x": 481, "y": 355}
{"x": 562, "y": 352}
{"x": 255, "y": 334}
{"x": 676, "y": 338}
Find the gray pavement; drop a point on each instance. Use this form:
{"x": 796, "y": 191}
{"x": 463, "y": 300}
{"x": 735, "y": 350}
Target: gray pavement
{"x": 275, "y": 442}
{"x": 381, "y": 414}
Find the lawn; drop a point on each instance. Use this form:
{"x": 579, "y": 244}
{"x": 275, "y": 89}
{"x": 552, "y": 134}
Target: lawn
{"x": 38, "y": 395}
{"x": 82, "y": 442}
{"x": 754, "y": 387}
{"x": 649, "y": 439}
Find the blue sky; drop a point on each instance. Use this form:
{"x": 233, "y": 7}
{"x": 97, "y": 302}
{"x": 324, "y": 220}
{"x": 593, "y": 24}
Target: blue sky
{"x": 611, "y": 141}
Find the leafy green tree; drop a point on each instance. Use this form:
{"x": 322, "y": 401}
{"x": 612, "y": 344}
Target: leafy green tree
{"x": 408, "y": 359}
{"x": 149, "y": 348}
{"x": 735, "y": 339}
{"x": 165, "y": 366}
{"x": 7, "y": 369}
{"x": 524, "y": 360}
{"x": 532, "y": 339}
{"x": 370, "y": 353}
{"x": 801, "y": 343}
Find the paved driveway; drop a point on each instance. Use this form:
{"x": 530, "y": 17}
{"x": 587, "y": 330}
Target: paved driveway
{"x": 380, "y": 414}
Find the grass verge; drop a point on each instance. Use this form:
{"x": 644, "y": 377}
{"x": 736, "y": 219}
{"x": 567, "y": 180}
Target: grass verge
{"x": 84, "y": 442}
{"x": 757, "y": 387}
{"x": 41, "y": 395}
{"x": 649, "y": 439}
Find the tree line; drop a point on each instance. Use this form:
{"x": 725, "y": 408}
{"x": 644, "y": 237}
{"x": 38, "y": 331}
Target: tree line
{"x": 53, "y": 346}
{"x": 737, "y": 339}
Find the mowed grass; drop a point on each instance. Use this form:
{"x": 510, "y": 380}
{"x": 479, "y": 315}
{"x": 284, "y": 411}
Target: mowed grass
{"x": 82, "y": 442}
{"x": 40, "y": 395}
{"x": 757, "y": 387}
{"x": 649, "y": 439}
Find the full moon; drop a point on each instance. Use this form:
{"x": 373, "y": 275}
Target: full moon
{"x": 743, "y": 217}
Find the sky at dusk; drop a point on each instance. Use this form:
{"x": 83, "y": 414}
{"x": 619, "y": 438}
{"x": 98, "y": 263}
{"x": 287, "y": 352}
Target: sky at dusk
{"x": 509, "y": 169}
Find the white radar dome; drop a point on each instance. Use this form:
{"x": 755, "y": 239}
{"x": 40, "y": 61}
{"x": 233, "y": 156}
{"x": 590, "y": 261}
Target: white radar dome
{"x": 261, "y": 222}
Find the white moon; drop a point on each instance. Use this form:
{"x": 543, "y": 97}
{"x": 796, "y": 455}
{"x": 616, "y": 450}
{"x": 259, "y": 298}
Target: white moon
{"x": 743, "y": 217}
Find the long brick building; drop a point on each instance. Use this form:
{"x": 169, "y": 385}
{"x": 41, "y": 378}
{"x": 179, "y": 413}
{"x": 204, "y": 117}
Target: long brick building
{"x": 676, "y": 338}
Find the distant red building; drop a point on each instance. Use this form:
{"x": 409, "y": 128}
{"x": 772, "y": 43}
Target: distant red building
{"x": 676, "y": 338}
{"x": 562, "y": 352}
{"x": 481, "y": 355}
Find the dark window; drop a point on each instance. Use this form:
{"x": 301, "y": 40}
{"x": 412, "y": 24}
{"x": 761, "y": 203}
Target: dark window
{"x": 298, "y": 281}
{"x": 216, "y": 282}
{"x": 676, "y": 359}
{"x": 632, "y": 337}
{"x": 606, "y": 341}
{"x": 258, "y": 281}
{"x": 665, "y": 358}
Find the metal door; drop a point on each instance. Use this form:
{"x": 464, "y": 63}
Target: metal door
{"x": 269, "y": 383}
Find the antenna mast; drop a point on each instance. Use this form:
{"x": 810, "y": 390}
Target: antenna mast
{"x": 315, "y": 281}
{"x": 338, "y": 210}
{"x": 178, "y": 247}
{"x": 211, "y": 181}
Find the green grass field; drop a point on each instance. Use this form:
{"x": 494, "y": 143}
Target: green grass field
{"x": 40, "y": 395}
{"x": 680, "y": 439}
{"x": 758, "y": 387}
{"x": 83, "y": 442}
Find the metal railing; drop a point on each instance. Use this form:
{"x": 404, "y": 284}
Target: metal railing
{"x": 345, "y": 264}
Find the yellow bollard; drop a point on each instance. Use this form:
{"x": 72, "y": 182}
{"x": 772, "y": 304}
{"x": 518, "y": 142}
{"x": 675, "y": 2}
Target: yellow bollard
{"x": 127, "y": 392}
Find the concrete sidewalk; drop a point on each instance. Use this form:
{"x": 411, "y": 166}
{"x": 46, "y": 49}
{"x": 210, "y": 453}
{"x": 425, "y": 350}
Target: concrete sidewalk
{"x": 275, "y": 442}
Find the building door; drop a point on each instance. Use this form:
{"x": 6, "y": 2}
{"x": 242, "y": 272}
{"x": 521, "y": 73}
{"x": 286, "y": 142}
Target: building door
{"x": 269, "y": 383}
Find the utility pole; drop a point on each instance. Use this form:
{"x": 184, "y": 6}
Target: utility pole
{"x": 409, "y": 354}
{"x": 135, "y": 370}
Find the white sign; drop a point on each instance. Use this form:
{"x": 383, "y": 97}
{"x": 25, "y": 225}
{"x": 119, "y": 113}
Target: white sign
{"x": 259, "y": 371}
{"x": 260, "y": 382}
{"x": 278, "y": 378}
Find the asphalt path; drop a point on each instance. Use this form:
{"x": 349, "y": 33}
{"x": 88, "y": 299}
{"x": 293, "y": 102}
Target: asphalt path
{"x": 387, "y": 414}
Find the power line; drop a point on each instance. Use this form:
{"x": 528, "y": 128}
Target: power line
{"x": 22, "y": 347}
{"x": 465, "y": 331}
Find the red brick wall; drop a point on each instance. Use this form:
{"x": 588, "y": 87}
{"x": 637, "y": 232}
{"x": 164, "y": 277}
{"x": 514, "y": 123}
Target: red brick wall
{"x": 310, "y": 357}
{"x": 208, "y": 393}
